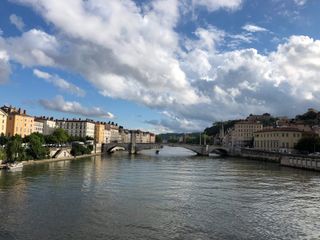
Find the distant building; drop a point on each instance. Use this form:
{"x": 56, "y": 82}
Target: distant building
{"x": 49, "y": 124}
{"x": 242, "y": 134}
{"x": 153, "y": 138}
{"x": 278, "y": 139}
{"x": 255, "y": 118}
{"x": 114, "y": 132}
{"x": 100, "y": 134}
{"x": 3, "y": 122}
{"x": 77, "y": 127}
{"x": 18, "y": 122}
{"x": 38, "y": 126}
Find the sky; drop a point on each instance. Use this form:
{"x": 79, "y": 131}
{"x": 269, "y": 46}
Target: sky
{"x": 160, "y": 65}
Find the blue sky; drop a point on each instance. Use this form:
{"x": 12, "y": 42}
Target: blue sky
{"x": 160, "y": 65}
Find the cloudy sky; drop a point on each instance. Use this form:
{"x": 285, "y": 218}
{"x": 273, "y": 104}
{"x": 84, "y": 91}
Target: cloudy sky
{"x": 160, "y": 65}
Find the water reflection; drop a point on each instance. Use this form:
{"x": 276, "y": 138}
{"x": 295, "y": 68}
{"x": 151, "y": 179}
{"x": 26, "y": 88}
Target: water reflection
{"x": 173, "y": 195}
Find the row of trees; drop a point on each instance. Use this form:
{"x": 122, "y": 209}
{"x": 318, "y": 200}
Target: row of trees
{"x": 36, "y": 145}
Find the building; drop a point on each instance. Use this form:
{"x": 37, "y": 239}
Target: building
{"x": 107, "y": 133}
{"x": 153, "y": 138}
{"x": 242, "y": 134}
{"x": 114, "y": 133}
{"x": 100, "y": 134}
{"x": 3, "y": 122}
{"x": 38, "y": 126}
{"x": 18, "y": 122}
{"x": 49, "y": 124}
{"x": 282, "y": 139}
{"x": 77, "y": 127}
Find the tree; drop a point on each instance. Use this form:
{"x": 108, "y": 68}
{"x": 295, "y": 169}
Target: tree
{"x": 36, "y": 150}
{"x": 158, "y": 139}
{"x": 309, "y": 144}
{"x": 2, "y": 154}
{"x": 3, "y": 139}
{"x": 14, "y": 149}
{"x": 60, "y": 136}
{"x": 78, "y": 150}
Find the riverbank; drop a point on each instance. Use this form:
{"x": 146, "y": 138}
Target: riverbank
{"x": 283, "y": 159}
{"x": 32, "y": 162}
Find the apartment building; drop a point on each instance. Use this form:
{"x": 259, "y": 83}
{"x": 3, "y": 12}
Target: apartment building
{"x": 38, "y": 126}
{"x": 49, "y": 124}
{"x": 77, "y": 127}
{"x": 3, "y": 122}
{"x": 100, "y": 133}
{"x": 18, "y": 122}
{"x": 114, "y": 132}
{"x": 278, "y": 139}
{"x": 242, "y": 134}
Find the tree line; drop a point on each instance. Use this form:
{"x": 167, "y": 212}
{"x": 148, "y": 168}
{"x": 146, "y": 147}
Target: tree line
{"x": 36, "y": 145}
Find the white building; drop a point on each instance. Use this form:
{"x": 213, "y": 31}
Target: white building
{"x": 38, "y": 126}
{"x": 3, "y": 122}
{"x": 49, "y": 125}
{"x": 78, "y": 127}
{"x": 114, "y": 132}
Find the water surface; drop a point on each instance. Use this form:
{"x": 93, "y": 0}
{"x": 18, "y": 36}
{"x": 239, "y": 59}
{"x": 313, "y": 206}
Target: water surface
{"x": 173, "y": 195}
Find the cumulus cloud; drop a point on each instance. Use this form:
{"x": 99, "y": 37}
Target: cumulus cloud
{"x": 147, "y": 61}
{"x": 17, "y": 21}
{"x": 60, "y": 83}
{"x": 253, "y": 28}
{"x": 60, "y": 105}
{"x": 5, "y": 69}
{"x": 213, "y": 5}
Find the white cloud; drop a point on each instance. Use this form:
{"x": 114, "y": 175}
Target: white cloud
{"x": 147, "y": 61}
{"x": 33, "y": 48}
{"x": 17, "y": 21}
{"x": 213, "y": 5}
{"x": 300, "y": 2}
{"x": 60, "y": 83}
{"x": 60, "y": 105}
{"x": 5, "y": 69}
{"x": 254, "y": 28}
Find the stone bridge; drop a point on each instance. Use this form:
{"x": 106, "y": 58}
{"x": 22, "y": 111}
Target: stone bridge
{"x": 133, "y": 148}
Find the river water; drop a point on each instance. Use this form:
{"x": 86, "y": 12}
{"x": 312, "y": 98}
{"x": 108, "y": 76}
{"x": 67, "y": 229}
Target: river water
{"x": 173, "y": 195}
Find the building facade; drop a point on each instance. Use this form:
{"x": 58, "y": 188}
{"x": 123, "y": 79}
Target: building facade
{"x": 78, "y": 127}
{"x": 18, "y": 122}
{"x": 38, "y": 126}
{"x": 242, "y": 134}
{"x": 100, "y": 134}
{"x": 3, "y": 122}
{"x": 49, "y": 125}
{"x": 278, "y": 139}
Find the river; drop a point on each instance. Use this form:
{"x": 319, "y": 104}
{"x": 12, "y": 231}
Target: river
{"x": 173, "y": 195}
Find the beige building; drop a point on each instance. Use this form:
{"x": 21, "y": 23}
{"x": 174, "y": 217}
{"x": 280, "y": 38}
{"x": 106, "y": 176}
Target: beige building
{"x": 100, "y": 134}
{"x": 242, "y": 133}
{"x": 3, "y": 122}
{"x": 278, "y": 139}
{"x": 77, "y": 127}
{"x": 18, "y": 122}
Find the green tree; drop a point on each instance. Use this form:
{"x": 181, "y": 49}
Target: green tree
{"x": 36, "y": 150}
{"x": 60, "y": 136}
{"x": 158, "y": 139}
{"x": 78, "y": 150}
{"x": 2, "y": 154}
{"x": 309, "y": 144}
{"x": 3, "y": 139}
{"x": 14, "y": 149}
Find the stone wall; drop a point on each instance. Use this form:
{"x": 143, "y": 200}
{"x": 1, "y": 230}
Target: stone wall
{"x": 305, "y": 162}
